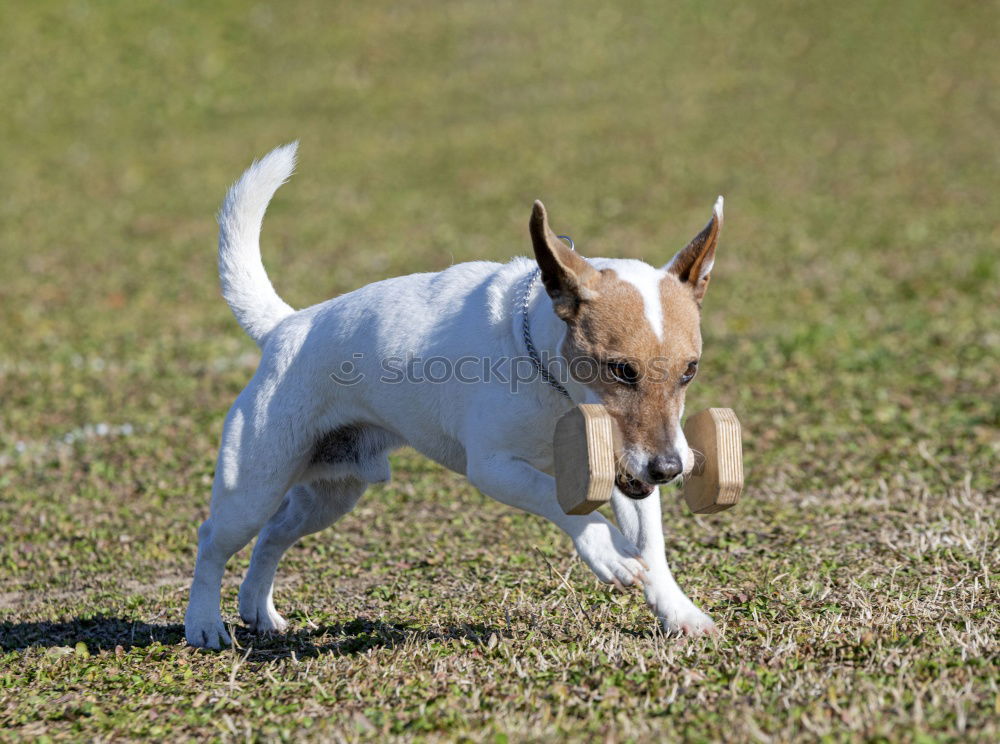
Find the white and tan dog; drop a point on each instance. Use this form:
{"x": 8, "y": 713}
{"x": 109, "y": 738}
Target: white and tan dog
{"x": 316, "y": 423}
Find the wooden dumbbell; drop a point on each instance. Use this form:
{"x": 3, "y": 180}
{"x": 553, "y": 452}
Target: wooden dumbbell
{"x": 716, "y": 481}
{"x": 587, "y": 441}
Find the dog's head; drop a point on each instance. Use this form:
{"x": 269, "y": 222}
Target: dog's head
{"x": 633, "y": 340}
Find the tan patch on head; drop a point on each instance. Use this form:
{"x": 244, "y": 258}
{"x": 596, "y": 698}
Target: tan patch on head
{"x": 614, "y": 328}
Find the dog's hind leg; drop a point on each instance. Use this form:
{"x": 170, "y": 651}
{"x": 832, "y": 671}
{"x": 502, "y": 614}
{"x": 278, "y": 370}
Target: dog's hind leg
{"x": 307, "y": 508}
{"x": 254, "y": 470}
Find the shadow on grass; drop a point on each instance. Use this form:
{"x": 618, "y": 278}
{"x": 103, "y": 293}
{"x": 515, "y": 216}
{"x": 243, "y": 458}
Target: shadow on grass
{"x": 356, "y": 637}
{"x": 99, "y": 632}
{"x": 104, "y": 633}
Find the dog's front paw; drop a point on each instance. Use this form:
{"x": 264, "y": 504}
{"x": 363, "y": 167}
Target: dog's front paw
{"x": 689, "y": 621}
{"x": 677, "y": 614}
{"x": 612, "y": 558}
{"x": 206, "y": 632}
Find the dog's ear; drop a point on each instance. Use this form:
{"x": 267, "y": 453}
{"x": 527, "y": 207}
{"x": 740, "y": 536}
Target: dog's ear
{"x": 693, "y": 264}
{"x": 567, "y": 276}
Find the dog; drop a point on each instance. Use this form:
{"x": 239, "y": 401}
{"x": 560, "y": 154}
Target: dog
{"x": 316, "y": 423}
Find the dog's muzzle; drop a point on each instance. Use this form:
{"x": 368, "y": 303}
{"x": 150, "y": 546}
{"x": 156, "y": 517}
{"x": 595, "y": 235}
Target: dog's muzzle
{"x": 633, "y": 487}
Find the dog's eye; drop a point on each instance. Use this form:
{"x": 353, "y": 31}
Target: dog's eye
{"x": 623, "y": 372}
{"x": 692, "y": 370}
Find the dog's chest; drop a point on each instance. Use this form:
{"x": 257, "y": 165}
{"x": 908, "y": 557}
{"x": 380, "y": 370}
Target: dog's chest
{"x": 534, "y": 443}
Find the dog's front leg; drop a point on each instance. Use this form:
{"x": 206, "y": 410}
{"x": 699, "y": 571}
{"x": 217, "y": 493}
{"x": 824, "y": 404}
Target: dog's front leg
{"x": 612, "y": 558}
{"x": 641, "y": 522}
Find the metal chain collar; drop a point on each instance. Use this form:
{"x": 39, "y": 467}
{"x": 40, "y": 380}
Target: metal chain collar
{"x": 526, "y": 329}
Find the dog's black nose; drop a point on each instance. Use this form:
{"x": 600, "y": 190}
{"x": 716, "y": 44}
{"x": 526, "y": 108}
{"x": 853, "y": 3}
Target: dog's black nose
{"x": 664, "y": 468}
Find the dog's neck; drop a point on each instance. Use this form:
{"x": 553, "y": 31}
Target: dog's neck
{"x": 547, "y": 333}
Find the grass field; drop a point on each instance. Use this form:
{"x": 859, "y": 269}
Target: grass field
{"x": 853, "y": 322}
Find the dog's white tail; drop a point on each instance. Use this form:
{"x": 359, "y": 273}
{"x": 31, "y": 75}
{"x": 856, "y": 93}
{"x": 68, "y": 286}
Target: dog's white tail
{"x": 245, "y": 285}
